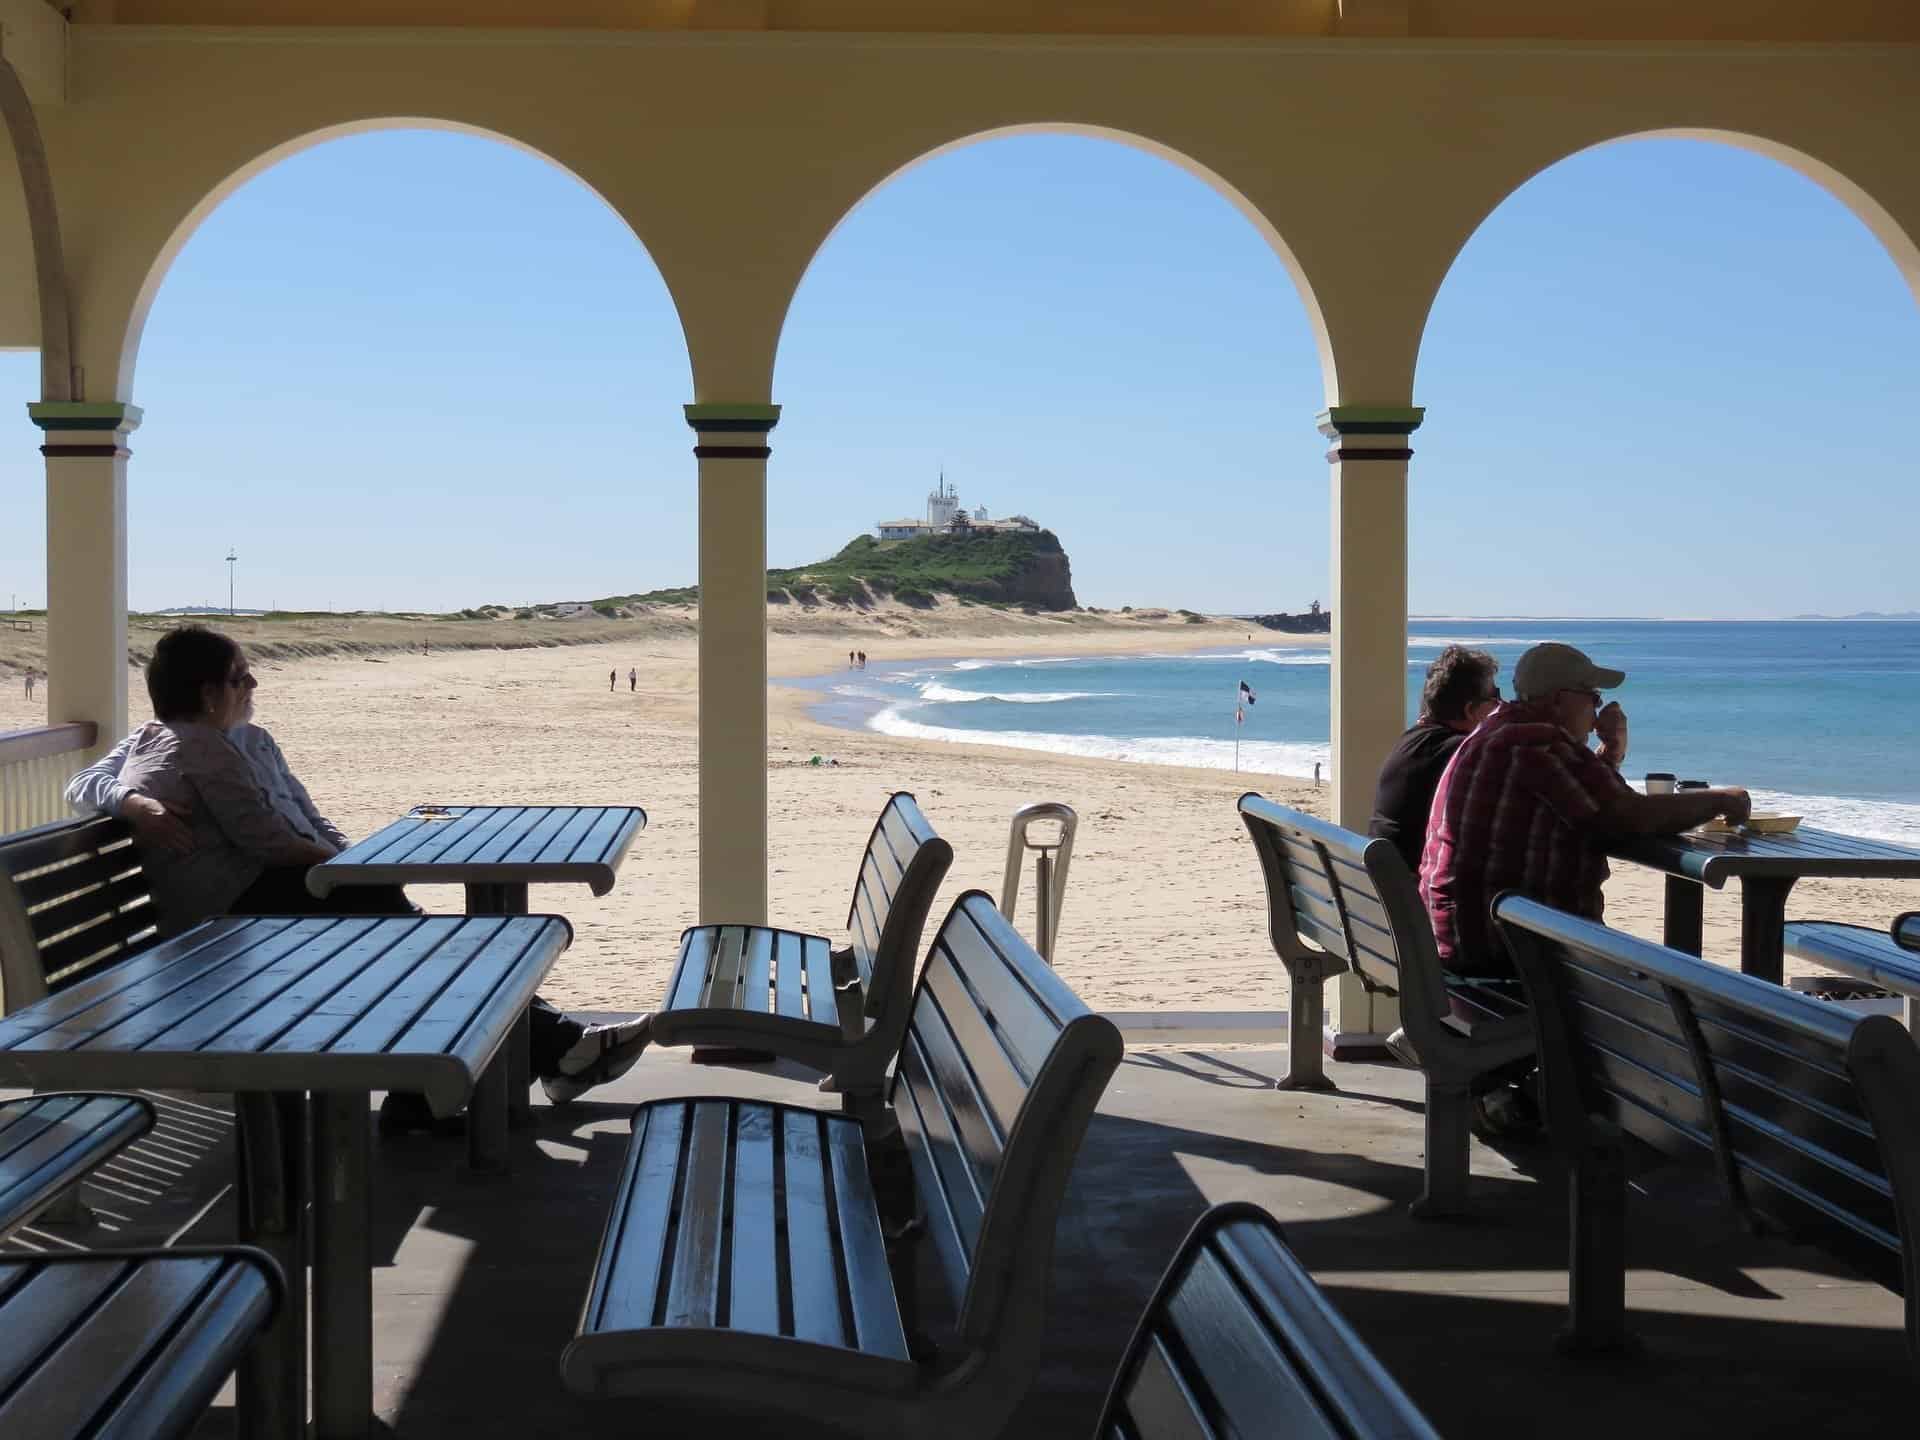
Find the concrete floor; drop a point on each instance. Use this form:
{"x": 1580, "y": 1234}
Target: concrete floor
{"x": 478, "y": 1283}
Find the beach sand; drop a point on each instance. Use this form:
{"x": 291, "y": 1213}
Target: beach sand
{"x": 1164, "y": 909}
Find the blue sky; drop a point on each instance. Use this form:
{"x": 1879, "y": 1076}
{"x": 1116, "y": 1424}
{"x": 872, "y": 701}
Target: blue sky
{"x": 427, "y": 370}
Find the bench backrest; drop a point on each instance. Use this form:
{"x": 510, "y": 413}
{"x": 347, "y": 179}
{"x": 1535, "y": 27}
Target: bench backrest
{"x": 1811, "y": 1115}
{"x": 1349, "y": 896}
{"x": 73, "y": 899}
{"x": 997, "y": 1081}
{"x": 902, "y": 868}
{"x": 1238, "y": 1340}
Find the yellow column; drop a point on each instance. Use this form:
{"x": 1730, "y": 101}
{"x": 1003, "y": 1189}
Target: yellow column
{"x": 1369, "y": 457}
{"x": 86, "y": 454}
{"x": 731, "y": 448}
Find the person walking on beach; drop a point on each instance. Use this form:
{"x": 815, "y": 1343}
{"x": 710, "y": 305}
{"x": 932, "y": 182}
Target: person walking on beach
{"x": 849, "y": 659}
{"x": 613, "y": 678}
{"x": 633, "y": 680}
{"x": 29, "y": 684}
{"x": 863, "y": 659}
{"x": 1316, "y": 774}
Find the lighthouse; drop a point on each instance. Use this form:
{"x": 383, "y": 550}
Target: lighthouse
{"x": 942, "y": 504}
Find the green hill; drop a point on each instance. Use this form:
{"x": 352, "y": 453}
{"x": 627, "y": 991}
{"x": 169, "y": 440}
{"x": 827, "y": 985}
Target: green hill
{"x": 992, "y": 567}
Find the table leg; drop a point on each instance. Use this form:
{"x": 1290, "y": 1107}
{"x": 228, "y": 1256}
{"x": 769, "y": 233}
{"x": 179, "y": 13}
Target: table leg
{"x": 488, "y": 1151}
{"x": 342, "y": 1268}
{"x": 520, "y": 1072}
{"x": 1763, "y": 924}
{"x": 270, "y": 1186}
{"x": 1686, "y": 914}
{"x": 496, "y": 899}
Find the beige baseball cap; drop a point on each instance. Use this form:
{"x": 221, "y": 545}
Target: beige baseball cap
{"x": 1550, "y": 667}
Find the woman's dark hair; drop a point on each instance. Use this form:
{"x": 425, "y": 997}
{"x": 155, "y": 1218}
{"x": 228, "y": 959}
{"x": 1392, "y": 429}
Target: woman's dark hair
{"x": 1458, "y": 678}
{"x": 183, "y": 661}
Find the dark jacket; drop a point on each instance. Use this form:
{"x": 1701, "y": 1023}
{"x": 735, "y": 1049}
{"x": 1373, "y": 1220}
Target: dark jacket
{"x": 1403, "y": 797}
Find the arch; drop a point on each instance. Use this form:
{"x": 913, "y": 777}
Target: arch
{"x": 182, "y": 232}
{"x": 1303, "y": 286}
{"x": 1900, "y": 246}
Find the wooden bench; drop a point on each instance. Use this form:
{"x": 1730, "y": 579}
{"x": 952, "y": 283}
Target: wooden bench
{"x": 1339, "y": 902}
{"x": 786, "y": 993}
{"x": 49, "y": 1141}
{"x": 132, "y": 1345}
{"x": 1811, "y": 1116}
{"x": 1238, "y": 1340}
{"x": 1887, "y": 957}
{"x": 73, "y": 899}
{"x": 745, "y": 1267}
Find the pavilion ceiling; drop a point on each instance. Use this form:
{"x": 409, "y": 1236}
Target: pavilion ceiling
{"x": 1597, "y": 21}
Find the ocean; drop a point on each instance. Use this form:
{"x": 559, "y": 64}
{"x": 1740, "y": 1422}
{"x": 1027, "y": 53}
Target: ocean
{"x": 1815, "y": 717}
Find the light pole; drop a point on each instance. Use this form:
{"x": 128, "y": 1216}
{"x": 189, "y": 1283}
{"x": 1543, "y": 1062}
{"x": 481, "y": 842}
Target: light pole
{"x": 231, "y": 557}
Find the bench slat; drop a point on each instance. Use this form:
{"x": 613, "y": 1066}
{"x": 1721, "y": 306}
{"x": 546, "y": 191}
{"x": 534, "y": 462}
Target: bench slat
{"x": 696, "y": 961}
{"x": 633, "y": 1253}
{"x": 753, "y": 1277}
{"x": 724, "y": 989}
{"x": 762, "y": 948}
{"x": 950, "y": 1209}
{"x": 693, "y": 1293}
{"x": 1161, "y": 1403}
{"x": 869, "y": 1282}
{"x": 813, "y": 956}
{"x": 814, "y": 1287}
{"x": 790, "y": 977}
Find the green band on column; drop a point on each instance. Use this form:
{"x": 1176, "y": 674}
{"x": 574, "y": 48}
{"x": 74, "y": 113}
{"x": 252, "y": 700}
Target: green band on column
{"x": 724, "y": 419}
{"x": 1342, "y": 420}
{"x": 83, "y": 415}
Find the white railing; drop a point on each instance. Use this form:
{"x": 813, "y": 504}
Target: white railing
{"x": 1051, "y": 858}
{"x": 35, "y": 766}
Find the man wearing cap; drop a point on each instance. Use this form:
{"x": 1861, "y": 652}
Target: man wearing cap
{"x": 1525, "y": 806}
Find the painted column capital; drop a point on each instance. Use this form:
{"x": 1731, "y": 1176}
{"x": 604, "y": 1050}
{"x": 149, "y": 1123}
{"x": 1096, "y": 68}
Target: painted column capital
{"x": 85, "y": 429}
{"x": 724, "y": 431}
{"x": 1369, "y": 432}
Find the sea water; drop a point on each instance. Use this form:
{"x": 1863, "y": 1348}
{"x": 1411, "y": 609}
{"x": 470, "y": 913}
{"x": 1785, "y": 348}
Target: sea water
{"x": 1817, "y": 718}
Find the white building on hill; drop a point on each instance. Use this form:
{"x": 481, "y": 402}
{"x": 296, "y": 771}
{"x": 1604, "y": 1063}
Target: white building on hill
{"x": 945, "y": 513}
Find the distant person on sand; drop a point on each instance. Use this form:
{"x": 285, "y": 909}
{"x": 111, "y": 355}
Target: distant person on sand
{"x": 224, "y": 827}
{"x": 1316, "y": 774}
{"x": 613, "y": 678}
{"x": 633, "y": 680}
{"x": 863, "y": 659}
{"x": 849, "y": 659}
{"x": 29, "y": 684}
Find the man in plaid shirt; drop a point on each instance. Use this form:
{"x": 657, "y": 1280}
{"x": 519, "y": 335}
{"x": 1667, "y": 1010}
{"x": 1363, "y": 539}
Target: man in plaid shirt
{"x": 1525, "y": 805}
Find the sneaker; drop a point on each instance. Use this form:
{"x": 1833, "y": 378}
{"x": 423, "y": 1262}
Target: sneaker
{"x": 602, "y": 1053}
{"x": 1507, "y": 1113}
{"x": 1401, "y": 1048}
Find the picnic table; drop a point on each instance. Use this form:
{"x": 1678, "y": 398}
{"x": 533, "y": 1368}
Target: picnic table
{"x": 1767, "y": 866}
{"x": 300, "y": 1018}
{"x": 496, "y": 852}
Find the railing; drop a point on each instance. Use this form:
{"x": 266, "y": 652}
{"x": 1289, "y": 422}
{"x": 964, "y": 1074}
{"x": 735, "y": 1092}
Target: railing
{"x": 35, "y": 766}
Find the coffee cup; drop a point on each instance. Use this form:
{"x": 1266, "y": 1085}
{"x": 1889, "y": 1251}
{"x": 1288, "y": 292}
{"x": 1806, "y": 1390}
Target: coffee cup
{"x": 1660, "y": 782}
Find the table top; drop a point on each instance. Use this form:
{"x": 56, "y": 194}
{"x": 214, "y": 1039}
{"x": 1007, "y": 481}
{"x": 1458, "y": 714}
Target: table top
{"x": 282, "y": 1003}
{"x": 489, "y": 845}
{"x": 1713, "y": 858}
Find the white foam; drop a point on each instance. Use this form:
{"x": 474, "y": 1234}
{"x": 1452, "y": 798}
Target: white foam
{"x": 934, "y": 691}
{"x": 1848, "y": 814}
{"x": 1472, "y": 642}
{"x": 1257, "y": 757}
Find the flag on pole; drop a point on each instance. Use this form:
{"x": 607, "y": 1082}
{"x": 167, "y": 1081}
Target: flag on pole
{"x": 1246, "y": 693}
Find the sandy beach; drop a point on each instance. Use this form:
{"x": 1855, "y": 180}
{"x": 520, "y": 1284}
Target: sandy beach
{"x": 1165, "y": 908}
